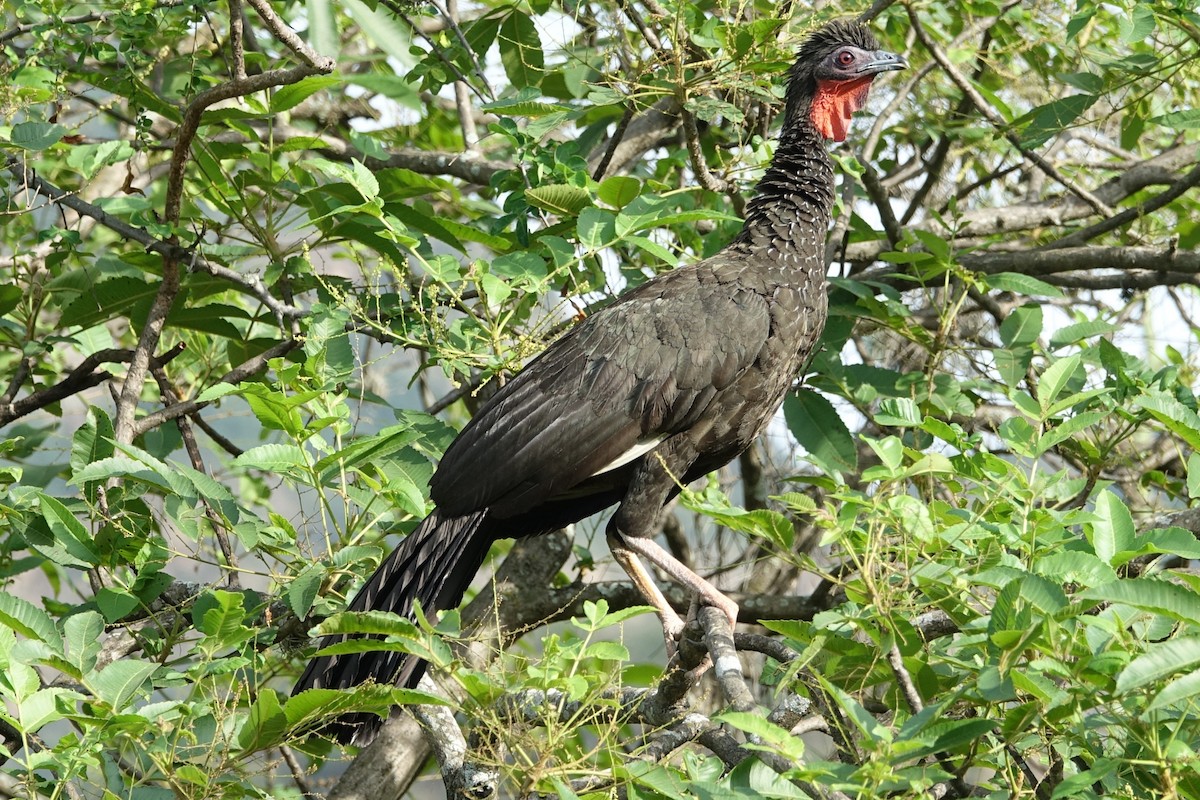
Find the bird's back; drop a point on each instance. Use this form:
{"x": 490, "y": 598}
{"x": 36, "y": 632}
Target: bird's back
{"x": 708, "y": 349}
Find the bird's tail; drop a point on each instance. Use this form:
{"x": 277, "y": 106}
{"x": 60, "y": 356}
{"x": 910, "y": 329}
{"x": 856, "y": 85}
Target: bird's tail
{"x": 434, "y": 565}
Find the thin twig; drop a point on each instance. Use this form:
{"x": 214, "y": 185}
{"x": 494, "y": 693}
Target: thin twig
{"x": 248, "y": 368}
{"x": 167, "y": 391}
{"x": 990, "y": 114}
{"x": 1181, "y": 186}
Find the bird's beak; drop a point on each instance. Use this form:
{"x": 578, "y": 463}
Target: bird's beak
{"x": 882, "y": 61}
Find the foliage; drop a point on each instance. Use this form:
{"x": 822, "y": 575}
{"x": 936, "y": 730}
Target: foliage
{"x": 246, "y": 271}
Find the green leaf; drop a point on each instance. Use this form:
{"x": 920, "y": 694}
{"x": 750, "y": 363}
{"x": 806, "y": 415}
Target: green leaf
{"x": 1178, "y": 541}
{"x": 28, "y": 620}
{"x": 1013, "y": 365}
{"x": 619, "y": 190}
{"x": 72, "y": 545}
{"x": 817, "y": 426}
{"x": 219, "y": 615}
{"x": 1048, "y": 120}
{"x": 607, "y": 651}
{"x": 383, "y": 28}
{"x": 524, "y": 104}
{"x": 81, "y": 639}
{"x": 116, "y": 603}
{"x": 302, "y": 590}
{"x": 1175, "y": 415}
{"x": 364, "y": 180}
{"x": 1113, "y": 532}
{"x": 1183, "y": 690}
{"x": 266, "y": 725}
{"x": 1160, "y": 660}
{"x": 596, "y": 228}
{"x": 10, "y": 298}
{"x": 1055, "y": 378}
{"x": 780, "y": 739}
{"x": 1188, "y": 119}
{"x": 120, "y": 681}
{"x": 36, "y": 135}
{"x": 560, "y": 198}
{"x": 1071, "y": 334}
{"x": 521, "y": 50}
{"x": 1019, "y": 283}
{"x": 1137, "y": 26}
{"x": 1150, "y": 595}
{"x": 322, "y": 27}
{"x": 93, "y": 441}
{"x": 898, "y": 412}
{"x": 283, "y": 458}
{"x": 1022, "y": 326}
{"x": 288, "y": 97}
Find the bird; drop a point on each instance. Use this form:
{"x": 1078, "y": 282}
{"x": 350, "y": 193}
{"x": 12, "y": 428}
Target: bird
{"x": 671, "y": 381}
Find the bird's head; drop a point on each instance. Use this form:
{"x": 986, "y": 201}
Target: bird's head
{"x": 832, "y": 75}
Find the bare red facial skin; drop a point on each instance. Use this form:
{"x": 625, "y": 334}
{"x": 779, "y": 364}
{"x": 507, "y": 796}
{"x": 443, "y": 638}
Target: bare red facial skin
{"x": 834, "y": 104}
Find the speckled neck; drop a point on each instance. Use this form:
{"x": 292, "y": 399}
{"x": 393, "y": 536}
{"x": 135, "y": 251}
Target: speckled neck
{"x": 791, "y": 210}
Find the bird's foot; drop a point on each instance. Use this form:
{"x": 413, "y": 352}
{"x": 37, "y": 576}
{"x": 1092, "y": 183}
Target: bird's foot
{"x": 672, "y": 625}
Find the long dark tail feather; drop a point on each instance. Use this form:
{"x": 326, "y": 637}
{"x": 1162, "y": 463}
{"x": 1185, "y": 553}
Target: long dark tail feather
{"x": 434, "y": 565}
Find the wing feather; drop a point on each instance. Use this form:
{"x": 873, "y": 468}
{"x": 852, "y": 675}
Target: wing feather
{"x": 635, "y": 372}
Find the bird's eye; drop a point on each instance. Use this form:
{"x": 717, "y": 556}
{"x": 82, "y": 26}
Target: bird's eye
{"x": 845, "y": 58}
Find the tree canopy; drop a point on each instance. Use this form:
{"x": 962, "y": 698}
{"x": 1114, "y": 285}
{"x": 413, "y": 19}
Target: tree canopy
{"x": 261, "y": 259}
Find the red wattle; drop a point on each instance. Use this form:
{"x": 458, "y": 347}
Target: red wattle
{"x": 835, "y": 103}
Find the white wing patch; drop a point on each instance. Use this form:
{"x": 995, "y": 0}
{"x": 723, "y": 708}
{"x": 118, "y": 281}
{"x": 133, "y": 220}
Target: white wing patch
{"x": 637, "y": 451}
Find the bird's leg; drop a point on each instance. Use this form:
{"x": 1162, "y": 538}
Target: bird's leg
{"x": 704, "y": 591}
{"x": 635, "y": 521}
{"x": 672, "y": 623}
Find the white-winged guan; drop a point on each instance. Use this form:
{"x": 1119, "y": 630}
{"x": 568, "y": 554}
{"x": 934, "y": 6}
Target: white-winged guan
{"x": 673, "y": 380}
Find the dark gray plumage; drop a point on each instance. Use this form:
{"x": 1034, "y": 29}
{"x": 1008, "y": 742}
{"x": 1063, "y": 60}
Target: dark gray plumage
{"x": 673, "y": 380}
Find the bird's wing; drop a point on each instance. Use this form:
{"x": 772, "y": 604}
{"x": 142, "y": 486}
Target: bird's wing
{"x": 618, "y": 383}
